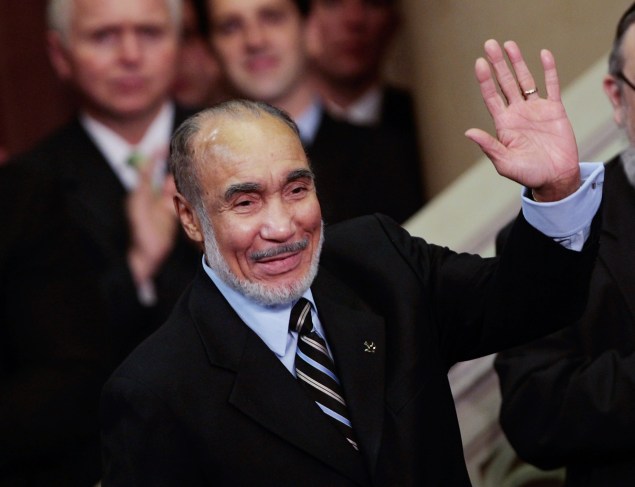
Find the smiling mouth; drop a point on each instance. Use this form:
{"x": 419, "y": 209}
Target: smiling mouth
{"x": 261, "y": 63}
{"x": 281, "y": 251}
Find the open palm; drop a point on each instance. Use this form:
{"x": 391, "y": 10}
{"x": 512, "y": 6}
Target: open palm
{"x": 535, "y": 144}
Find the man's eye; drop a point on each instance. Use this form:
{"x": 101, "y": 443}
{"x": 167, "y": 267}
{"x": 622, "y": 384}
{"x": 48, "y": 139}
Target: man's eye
{"x": 227, "y": 28}
{"x": 297, "y": 190}
{"x": 151, "y": 32}
{"x": 104, "y": 36}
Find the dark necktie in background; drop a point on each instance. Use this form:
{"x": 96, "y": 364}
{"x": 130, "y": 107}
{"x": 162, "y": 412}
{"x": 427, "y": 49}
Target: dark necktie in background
{"x": 316, "y": 371}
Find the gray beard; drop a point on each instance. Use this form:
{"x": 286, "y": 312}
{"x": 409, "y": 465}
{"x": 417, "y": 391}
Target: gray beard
{"x": 261, "y": 293}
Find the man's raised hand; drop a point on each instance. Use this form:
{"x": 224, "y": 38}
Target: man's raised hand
{"x": 534, "y": 144}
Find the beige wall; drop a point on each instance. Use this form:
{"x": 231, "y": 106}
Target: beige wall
{"x": 441, "y": 39}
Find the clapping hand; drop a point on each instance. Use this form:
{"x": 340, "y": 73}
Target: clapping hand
{"x": 534, "y": 145}
{"x": 153, "y": 222}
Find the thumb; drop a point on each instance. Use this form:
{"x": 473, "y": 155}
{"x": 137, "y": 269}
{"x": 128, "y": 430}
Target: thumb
{"x": 488, "y": 144}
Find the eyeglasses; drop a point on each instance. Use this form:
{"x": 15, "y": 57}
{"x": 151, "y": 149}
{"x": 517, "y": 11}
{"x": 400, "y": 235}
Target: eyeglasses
{"x": 621, "y": 76}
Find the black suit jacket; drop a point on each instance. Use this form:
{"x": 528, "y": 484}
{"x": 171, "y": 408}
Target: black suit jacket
{"x": 568, "y": 398}
{"x": 204, "y": 401}
{"x": 95, "y": 202}
{"x": 362, "y": 170}
{"x": 70, "y": 311}
{"x": 54, "y": 347}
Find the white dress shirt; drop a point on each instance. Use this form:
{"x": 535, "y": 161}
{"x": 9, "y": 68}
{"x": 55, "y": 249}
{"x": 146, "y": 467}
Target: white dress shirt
{"x": 116, "y": 150}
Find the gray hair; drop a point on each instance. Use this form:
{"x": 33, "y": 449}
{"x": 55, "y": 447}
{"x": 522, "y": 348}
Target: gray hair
{"x": 59, "y": 14}
{"x": 183, "y": 154}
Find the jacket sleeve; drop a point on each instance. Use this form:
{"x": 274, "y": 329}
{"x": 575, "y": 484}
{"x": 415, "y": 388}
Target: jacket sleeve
{"x": 54, "y": 352}
{"x": 568, "y": 397}
{"x": 481, "y": 306}
{"x": 142, "y": 443}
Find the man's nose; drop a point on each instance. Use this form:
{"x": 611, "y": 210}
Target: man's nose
{"x": 278, "y": 224}
{"x": 254, "y": 35}
{"x": 130, "y": 47}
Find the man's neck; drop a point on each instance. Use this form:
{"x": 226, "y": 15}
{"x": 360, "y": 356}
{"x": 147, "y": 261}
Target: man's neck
{"x": 130, "y": 128}
{"x": 298, "y": 101}
{"x": 344, "y": 93}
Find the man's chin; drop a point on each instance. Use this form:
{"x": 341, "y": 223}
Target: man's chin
{"x": 273, "y": 295}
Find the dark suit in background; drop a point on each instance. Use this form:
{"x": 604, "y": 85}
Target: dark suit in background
{"x": 95, "y": 201}
{"x": 204, "y": 401}
{"x": 54, "y": 346}
{"x": 568, "y": 398}
{"x": 70, "y": 308}
{"x": 362, "y": 170}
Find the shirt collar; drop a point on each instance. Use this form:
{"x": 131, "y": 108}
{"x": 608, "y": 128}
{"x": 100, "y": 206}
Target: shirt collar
{"x": 364, "y": 111}
{"x": 309, "y": 121}
{"x": 270, "y": 323}
{"x": 116, "y": 149}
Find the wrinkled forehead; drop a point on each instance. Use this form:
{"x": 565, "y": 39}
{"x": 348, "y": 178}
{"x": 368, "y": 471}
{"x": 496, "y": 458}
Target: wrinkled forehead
{"x": 122, "y": 10}
{"x": 232, "y": 138}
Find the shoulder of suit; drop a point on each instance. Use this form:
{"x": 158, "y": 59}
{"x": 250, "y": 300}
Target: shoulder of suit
{"x": 363, "y": 237}
{"x": 63, "y": 139}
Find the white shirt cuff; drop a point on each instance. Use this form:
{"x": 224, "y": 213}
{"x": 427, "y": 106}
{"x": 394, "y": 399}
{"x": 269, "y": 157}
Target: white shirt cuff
{"x": 568, "y": 221}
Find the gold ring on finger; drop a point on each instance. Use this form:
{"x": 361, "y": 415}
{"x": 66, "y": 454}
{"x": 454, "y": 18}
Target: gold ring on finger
{"x": 530, "y": 91}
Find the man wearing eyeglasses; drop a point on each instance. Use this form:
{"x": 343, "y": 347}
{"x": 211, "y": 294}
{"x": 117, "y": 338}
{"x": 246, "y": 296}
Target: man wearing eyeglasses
{"x": 568, "y": 398}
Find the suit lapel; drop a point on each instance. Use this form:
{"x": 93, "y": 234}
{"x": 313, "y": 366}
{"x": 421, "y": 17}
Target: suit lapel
{"x": 356, "y": 336}
{"x": 618, "y": 236}
{"x": 95, "y": 193}
{"x": 264, "y": 390}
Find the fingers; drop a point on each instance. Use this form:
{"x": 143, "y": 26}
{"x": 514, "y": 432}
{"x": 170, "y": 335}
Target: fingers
{"x": 523, "y": 75}
{"x": 145, "y": 170}
{"x": 492, "y": 99}
{"x": 169, "y": 186}
{"x": 518, "y": 84}
{"x": 504, "y": 76}
{"x": 551, "y": 75}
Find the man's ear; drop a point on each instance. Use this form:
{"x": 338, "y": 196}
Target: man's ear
{"x": 188, "y": 217}
{"x": 58, "y": 55}
{"x": 614, "y": 93}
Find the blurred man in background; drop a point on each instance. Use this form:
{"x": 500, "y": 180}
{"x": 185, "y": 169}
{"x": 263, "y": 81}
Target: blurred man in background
{"x": 567, "y": 398}
{"x": 106, "y": 173}
{"x": 199, "y": 82}
{"x": 261, "y": 46}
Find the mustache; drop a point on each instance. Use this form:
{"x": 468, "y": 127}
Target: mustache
{"x": 280, "y": 249}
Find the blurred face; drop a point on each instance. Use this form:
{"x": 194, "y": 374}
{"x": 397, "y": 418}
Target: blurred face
{"x": 261, "y": 203}
{"x": 620, "y": 94}
{"x": 350, "y": 36}
{"x": 198, "y": 79}
{"x": 120, "y": 54}
{"x": 260, "y": 46}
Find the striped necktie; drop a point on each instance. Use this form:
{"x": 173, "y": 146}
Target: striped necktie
{"x": 316, "y": 371}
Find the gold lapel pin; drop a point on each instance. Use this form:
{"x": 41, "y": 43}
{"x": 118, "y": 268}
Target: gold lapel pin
{"x": 369, "y": 347}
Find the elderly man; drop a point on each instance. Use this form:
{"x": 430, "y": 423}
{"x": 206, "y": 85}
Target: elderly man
{"x": 284, "y": 365}
{"x": 261, "y": 47}
{"x": 106, "y": 172}
{"x": 567, "y": 399}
